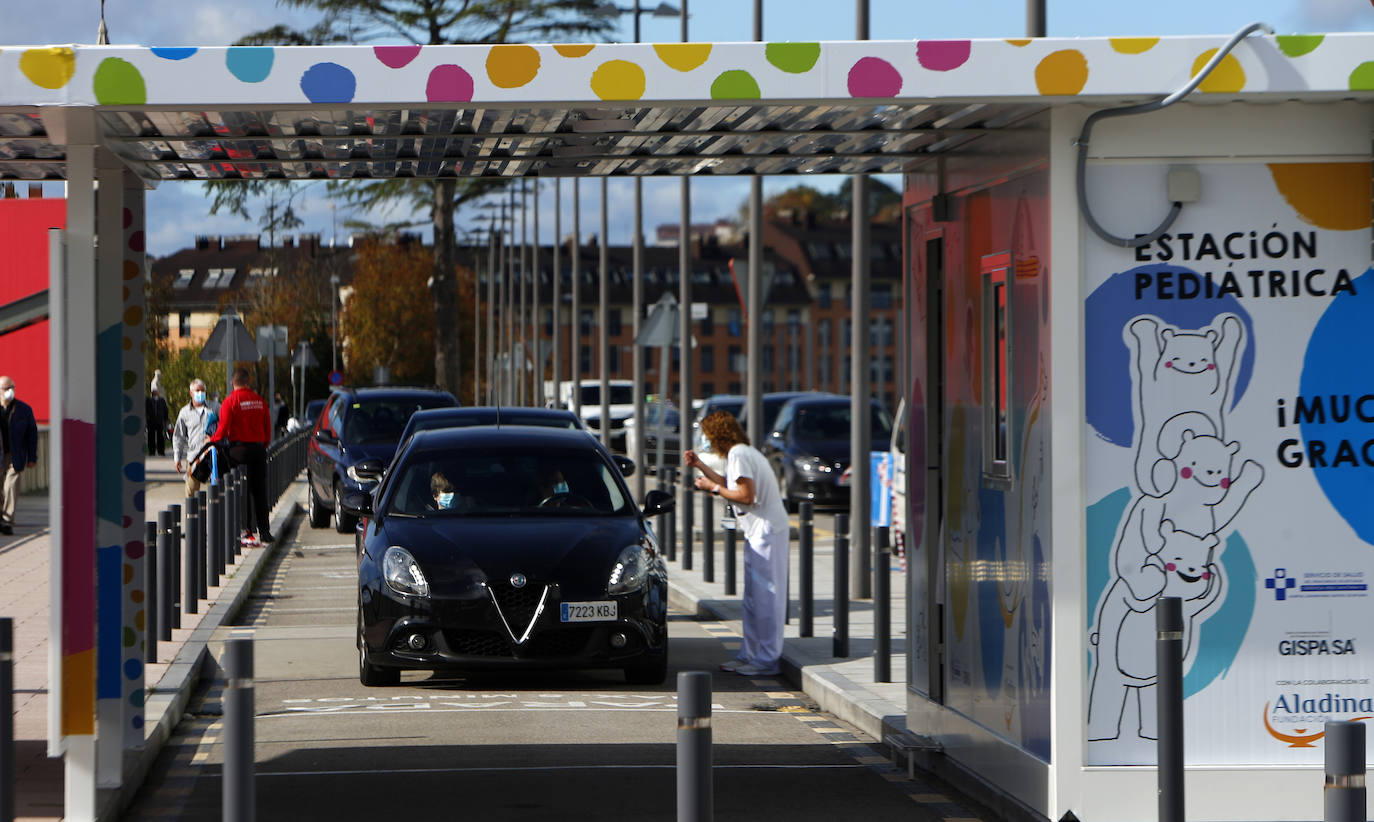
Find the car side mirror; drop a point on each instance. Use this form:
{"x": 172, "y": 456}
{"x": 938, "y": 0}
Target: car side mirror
{"x": 326, "y": 438}
{"x": 658, "y": 502}
{"x": 357, "y": 503}
{"x": 625, "y": 464}
{"x": 367, "y": 471}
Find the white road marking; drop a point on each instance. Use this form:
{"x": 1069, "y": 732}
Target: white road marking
{"x": 355, "y": 710}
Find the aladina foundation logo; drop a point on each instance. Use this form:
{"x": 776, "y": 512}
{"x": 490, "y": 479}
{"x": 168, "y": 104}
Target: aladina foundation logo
{"x": 1312, "y": 713}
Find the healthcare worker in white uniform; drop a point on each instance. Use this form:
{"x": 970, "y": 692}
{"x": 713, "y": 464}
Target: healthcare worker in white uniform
{"x": 749, "y": 486}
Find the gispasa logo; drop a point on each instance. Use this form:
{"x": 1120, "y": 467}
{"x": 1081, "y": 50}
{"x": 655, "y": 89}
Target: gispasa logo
{"x": 1316, "y": 709}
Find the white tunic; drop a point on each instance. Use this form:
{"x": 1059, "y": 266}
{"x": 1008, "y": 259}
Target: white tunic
{"x": 765, "y": 529}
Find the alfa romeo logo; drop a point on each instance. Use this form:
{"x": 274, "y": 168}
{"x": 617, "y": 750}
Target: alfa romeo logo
{"x": 518, "y": 580}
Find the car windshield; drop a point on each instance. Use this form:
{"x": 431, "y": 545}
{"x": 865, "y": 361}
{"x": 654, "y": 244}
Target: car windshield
{"x": 654, "y": 414}
{"x": 831, "y": 423}
{"x": 734, "y": 407}
{"x": 508, "y": 417}
{"x": 509, "y": 482}
{"x": 383, "y": 420}
{"x": 620, "y": 395}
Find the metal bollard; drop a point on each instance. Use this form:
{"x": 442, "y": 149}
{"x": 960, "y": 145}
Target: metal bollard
{"x": 190, "y": 566}
{"x": 174, "y": 580}
{"x": 840, "y": 643}
{"x": 1169, "y": 706}
{"x": 234, "y": 536}
{"x": 731, "y": 527}
{"x": 151, "y": 605}
{"x": 688, "y": 515}
{"x": 1343, "y": 798}
{"x": 670, "y": 521}
{"x": 165, "y": 580}
{"x": 6, "y": 719}
{"x": 244, "y": 505}
{"x": 708, "y": 539}
{"x": 202, "y": 543}
{"x": 214, "y": 544}
{"x": 806, "y": 565}
{"x": 882, "y": 605}
{"x": 694, "y": 791}
{"x": 238, "y": 801}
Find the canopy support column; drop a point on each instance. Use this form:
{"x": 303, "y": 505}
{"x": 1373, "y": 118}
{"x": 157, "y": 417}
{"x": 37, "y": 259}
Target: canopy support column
{"x": 133, "y": 277}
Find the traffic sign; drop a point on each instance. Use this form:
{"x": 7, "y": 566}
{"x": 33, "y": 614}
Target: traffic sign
{"x": 336, "y": 378}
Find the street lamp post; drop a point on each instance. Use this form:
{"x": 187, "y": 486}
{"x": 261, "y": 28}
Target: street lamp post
{"x": 334, "y": 321}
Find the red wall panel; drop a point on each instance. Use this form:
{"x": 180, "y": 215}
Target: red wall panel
{"x": 24, "y": 225}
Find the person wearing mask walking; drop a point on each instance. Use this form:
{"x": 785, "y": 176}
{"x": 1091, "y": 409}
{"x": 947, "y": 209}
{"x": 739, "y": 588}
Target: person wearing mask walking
{"x": 189, "y": 433}
{"x": 19, "y": 443}
{"x": 750, "y": 487}
{"x": 245, "y": 427}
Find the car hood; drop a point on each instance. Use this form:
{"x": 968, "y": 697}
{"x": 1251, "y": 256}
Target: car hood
{"x": 827, "y": 450}
{"x": 354, "y": 454}
{"x": 457, "y": 554}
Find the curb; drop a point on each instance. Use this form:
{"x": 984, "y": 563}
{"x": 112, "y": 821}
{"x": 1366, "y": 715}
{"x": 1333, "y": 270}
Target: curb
{"x": 834, "y": 692}
{"x": 168, "y": 699}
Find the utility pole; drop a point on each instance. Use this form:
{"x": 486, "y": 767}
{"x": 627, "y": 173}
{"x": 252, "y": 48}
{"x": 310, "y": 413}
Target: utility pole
{"x": 860, "y": 424}
{"x": 754, "y": 290}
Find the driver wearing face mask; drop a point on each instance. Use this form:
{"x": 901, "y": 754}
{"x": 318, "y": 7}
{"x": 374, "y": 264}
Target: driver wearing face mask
{"x": 445, "y": 497}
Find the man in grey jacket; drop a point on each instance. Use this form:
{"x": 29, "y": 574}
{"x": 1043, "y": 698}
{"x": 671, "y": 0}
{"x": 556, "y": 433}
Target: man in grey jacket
{"x": 188, "y": 434}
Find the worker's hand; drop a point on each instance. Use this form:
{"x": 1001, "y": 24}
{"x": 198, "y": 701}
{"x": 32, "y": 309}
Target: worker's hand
{"x": 690, "y": 458}
{"x": 178, "y": 467}
{"x": 703, "y": 483}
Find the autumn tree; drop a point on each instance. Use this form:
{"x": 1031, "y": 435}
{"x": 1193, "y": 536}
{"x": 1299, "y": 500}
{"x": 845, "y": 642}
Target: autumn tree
{"x": 439, "y": 22}
{"x": 387, "y": 319}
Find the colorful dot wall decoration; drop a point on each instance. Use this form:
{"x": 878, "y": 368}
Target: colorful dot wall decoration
{"x": 328, "y": 83}
{"x": 1062, "y": 72}
{"x": 1020, "y": 42}
{"x": 1362, "y": 78}
{"x": 174, "y": 54}
{"x": 1297, "y": 45}
{"x": 48, "y": 68}
{"x": 250, "y": 64}
{"x": 118, "y": 83}
{"x": 793, "y": 58}
{"x": 1133, "y": 45}
{"x": 396, "y": 56}
{"x": 1227, "y": 77}
{"x": 578, "y": 50}
{"x": 448, "y": 84}
{"x": 683, "y": 56}
{"x": 618, "y": 80}
{"x": 512, "y": 66}
{"x": 735, "y": 85}
{"x": 874, "y": 77}
{"x": 943, "y": 55}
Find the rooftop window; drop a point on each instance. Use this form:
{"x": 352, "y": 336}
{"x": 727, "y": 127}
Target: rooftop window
{"x": 184, "y": 277}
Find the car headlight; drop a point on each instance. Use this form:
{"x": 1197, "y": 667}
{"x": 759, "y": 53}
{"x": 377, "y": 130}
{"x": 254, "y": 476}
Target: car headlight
{"x": 812, "y": 465}
{"x": 403, "y": 574}
{"x": 630, "y": 571}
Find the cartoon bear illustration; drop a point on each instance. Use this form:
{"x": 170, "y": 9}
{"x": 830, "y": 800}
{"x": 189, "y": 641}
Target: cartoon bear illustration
{"x": 1179, "y": 372}
{"x": 1201, "y": 498}
{"x": 1124, "y": 663}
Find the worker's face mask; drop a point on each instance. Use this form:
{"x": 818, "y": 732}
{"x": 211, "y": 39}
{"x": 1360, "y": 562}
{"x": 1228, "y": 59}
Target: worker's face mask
{"x": 560, "y": 488}
{"x": 445, "y": 499}
{"x": 8, "y": 394}
{"x": 199, "y": 397}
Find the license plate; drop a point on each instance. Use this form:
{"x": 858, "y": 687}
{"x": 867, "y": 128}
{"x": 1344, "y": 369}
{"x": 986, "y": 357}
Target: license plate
{"x": 604, "y": 611}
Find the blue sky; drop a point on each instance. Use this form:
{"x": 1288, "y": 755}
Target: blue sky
{"x": 179, "y": 211}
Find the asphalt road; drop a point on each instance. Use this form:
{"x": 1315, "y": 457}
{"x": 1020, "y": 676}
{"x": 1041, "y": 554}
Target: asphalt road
{"x": 530, "y": 746}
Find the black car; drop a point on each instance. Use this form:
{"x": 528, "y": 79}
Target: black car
{"x": 809, "y": 447}
{"x": 353, "y": 440}
{"x": 773, "y": 402}
{"x": 508, "y": 547}
{"x": 432, "y": 418}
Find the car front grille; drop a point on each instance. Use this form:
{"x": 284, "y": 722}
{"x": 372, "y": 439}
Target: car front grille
{"x": 517, "y": 604}
{"x": 556, "y": 643}
{"x": 477, "y": 643}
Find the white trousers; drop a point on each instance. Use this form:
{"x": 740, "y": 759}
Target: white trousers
{"x": 765, "y": 599}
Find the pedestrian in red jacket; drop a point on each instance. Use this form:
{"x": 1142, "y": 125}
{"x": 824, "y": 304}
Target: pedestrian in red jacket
{"x": 245, "y": 427}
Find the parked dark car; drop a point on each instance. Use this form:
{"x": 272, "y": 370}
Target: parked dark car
{"x": 808, "y": 447}
{"x": 432, "y": 418}
{"x": 508, "y": 547}
{"x": 353, "y": 440}
{"x": 772, "y": 405}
